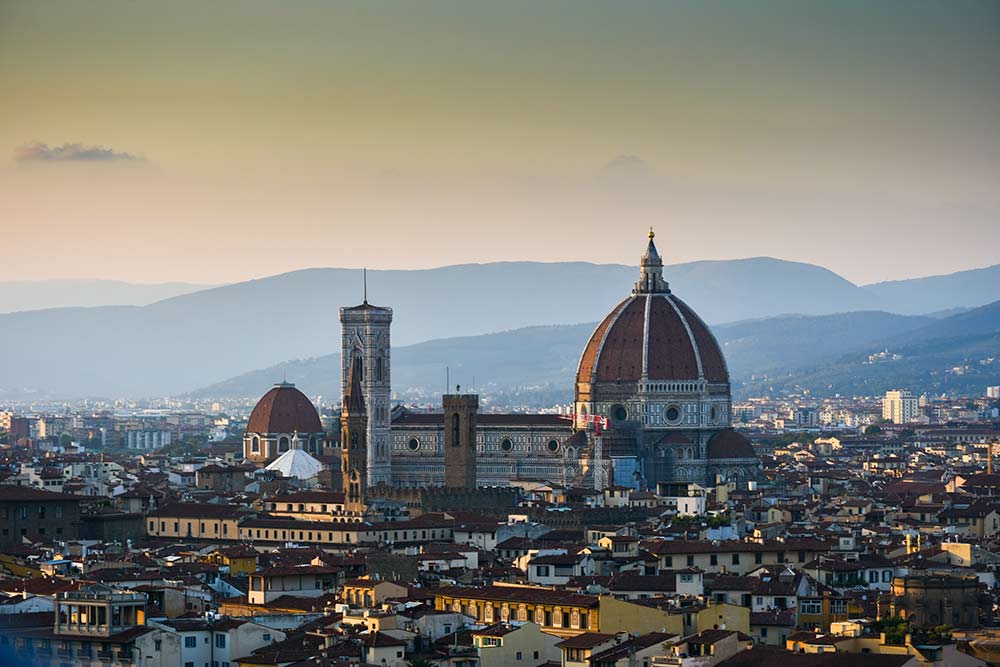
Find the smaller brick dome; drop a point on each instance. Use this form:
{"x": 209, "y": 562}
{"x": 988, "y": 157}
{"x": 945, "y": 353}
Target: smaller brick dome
{"x": 284, "y": 409}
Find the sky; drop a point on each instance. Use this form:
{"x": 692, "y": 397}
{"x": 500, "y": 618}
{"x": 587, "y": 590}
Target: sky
{"x": 218, "y": 141}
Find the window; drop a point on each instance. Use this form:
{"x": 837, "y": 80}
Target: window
{"x": 713, "y": 559}
{"x": 542, "y": 570}
{"x": 690, "y": 561}
{"x": 810, "y": 607}
{"x": 672, "y": 413}
{"x": 668, "y": 561}
{"x": 220, "y": 641}
{"x": 763, "y": 631}
{"x": 266, "y": 637}
{"x": 189, "y": 663}
{"x": 517, "y": 656}
{"x": 886, "y": 576}
{"x": 553, "y": 446}
{"x": 736, "y": 559}
{"x": 157, "y": 644}
{"x": 758, "y": 558}
{"x": 59, "y": 511}
{"x": 506, "y": 445}
{"x": 190, "y": 642}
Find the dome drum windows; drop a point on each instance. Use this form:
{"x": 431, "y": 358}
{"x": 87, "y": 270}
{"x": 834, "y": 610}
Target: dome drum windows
{"x": 619, "y": 413}
{"x": 413, "y": 444}
{"x": 552, "y": 445}
{"x": 506, "y": 445}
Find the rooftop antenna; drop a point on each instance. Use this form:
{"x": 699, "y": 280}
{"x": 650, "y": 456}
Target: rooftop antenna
{"x": 365, "y": 279}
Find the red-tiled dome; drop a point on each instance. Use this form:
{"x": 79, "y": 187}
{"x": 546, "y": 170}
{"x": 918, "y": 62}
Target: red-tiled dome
{"x": 284, "y": 409}
{"x": 653, "y": 332}
{"x": 729, "y": 444}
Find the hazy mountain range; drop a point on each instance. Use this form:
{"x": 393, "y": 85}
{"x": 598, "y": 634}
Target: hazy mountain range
{"x": 20, "y": 295}
{"x": 778, "y": 353}
{"x": 196, "y": 339}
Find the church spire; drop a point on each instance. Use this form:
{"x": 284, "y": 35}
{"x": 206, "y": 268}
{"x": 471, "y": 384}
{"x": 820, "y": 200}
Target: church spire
{"x": 354, "y": 399}
{"x": 651, "y": 271}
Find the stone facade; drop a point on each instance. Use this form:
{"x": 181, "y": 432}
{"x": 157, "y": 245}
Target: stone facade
{"x": 509, "y": 448}
{"x": 365, "y": 337}
{"x": 932, "y": 600}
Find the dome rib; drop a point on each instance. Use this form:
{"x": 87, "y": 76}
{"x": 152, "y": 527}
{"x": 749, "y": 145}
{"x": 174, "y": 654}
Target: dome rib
{"x": 587, "y": 371}
{"x": 691, "y": 338}
{"x": 620, "y": 356}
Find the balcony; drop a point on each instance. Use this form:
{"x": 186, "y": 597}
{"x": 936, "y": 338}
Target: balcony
{"x": 105, "y": 656}
{"x": 124, "y": 656}
{"x": 84, "y": 653}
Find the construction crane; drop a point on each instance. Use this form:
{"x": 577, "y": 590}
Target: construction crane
{"x": 596, "y": 424}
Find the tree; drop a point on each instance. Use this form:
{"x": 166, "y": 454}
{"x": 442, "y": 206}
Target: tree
{"x": 874, "y": 429}
{"x": 419, "y": 662}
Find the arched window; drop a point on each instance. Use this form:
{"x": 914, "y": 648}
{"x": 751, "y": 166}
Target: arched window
{"x": 283, "y": 444}
{"x": 255, "y": 445}
{"x": 455, "y": 429}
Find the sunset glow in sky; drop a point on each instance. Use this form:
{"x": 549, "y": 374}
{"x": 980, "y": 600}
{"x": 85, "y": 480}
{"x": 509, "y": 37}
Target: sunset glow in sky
{"x": 211, "y": 141}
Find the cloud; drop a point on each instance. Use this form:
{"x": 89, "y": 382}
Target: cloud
{"x": 37, "y": 151}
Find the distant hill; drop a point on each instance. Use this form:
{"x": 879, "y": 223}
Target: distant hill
{"x": 544, "y": 359}
{"x": 959, "y": 354}
{"x": 531, "y": 358}
{"x": 194, "y": 339}
{"x": 925, "y": 295}
{"x": 21, "y": 295}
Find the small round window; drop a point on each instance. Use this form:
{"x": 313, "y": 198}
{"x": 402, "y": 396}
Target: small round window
{"x": 506, "y": 445}
{"x": 413, "y": 444}
{"x": 619, "y": 413}
{"x": 553, "y": 445}
{"x": 672, "y": 413}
